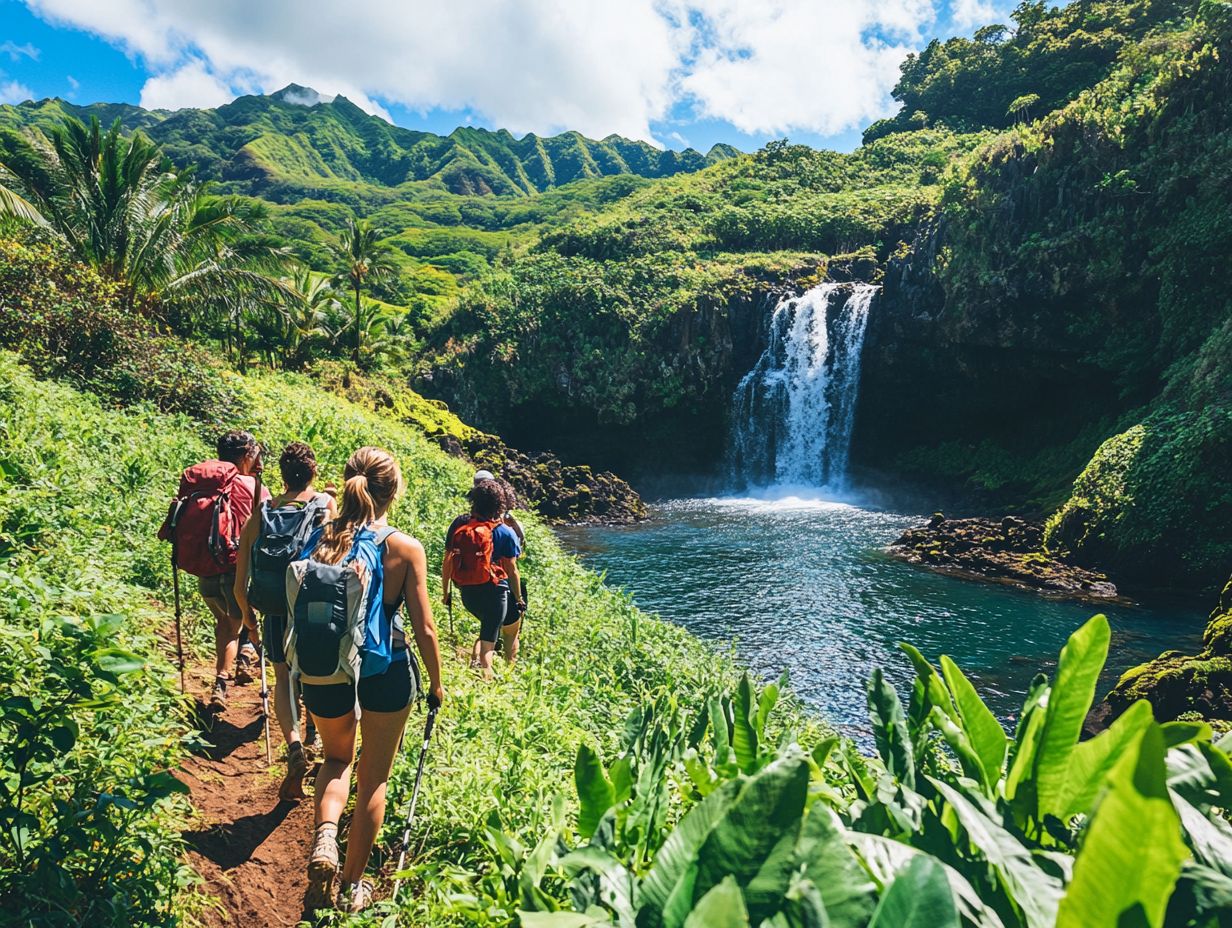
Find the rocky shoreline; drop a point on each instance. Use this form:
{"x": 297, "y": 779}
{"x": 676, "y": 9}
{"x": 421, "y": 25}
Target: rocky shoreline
{"x": 1008, "y": 550}
{"x": 561, "y": 493}
{"x": 1179, "y": 685}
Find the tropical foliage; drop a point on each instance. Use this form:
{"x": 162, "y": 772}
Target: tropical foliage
{"x": 954, "y": 823}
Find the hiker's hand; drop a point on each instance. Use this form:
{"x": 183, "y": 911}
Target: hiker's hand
{"x": 447, "y": 599}
{"x": 436, "y": 696}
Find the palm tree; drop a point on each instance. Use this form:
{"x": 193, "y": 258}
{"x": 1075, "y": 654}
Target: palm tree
{"x": 304, "y": 320}
{"x": 362, "y": 258}
{"x": 120, "y": 206}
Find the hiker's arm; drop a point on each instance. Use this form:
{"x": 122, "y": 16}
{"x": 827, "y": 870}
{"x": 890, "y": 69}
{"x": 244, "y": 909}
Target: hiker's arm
{"x": 512, "y": 521}
{"x": 419, "y": 611}
{"x": 243, "y": 560}
{"x": 510, "y": 566}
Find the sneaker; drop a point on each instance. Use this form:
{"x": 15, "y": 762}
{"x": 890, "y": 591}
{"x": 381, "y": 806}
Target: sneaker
{"x": 218, "y": 697}
{"x": 355, "y": 897}
{"x": 292, "y": 786}
{"x": 322, "y": 868}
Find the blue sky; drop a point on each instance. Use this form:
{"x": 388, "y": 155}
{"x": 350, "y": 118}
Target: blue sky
{"x": 675, "y": 72}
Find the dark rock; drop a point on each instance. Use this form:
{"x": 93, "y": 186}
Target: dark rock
{"x": 561, "y": 493}
{"x": 1008, "y": 550}
{"x": 1179, "y": 685}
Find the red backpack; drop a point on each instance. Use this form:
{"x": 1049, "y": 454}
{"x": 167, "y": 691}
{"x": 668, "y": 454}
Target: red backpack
{"x": 201, "y": 523}
{"x": 471, "y": 551}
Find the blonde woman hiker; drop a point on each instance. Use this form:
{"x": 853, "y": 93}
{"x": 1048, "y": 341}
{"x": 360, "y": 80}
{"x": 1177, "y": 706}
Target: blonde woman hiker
{"x": 356, "y": 574}
{"x": 273, "y": 536}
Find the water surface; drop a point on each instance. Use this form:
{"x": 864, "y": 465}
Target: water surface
{"x": 803, "y": 584}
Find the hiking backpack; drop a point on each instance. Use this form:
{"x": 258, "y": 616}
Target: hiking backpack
{"x": 472, "y": 554}
{"x": 200, "y": 523}
{"x": 283, "y": 534}
{"x": 336, "y": 627}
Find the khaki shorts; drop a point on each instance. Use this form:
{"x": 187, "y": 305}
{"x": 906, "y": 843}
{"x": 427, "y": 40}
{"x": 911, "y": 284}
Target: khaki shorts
{"x": 219, "y": 594}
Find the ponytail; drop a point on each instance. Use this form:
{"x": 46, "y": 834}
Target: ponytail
{"x": 373, "y": 482}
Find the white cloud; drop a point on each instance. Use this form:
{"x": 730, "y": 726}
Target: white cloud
{"x": 189, "y": 85}
{"x": 14, "y": 92}
{"x": 73, "y": 83}
{"x": 15, "y": 51}
{"x": 970, "y": 14}
{"x": 531, "y": 65}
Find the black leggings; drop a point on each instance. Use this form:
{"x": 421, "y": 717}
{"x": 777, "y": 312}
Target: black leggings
{"x": 391, "y": 691}
{"x": 489, "y": 603}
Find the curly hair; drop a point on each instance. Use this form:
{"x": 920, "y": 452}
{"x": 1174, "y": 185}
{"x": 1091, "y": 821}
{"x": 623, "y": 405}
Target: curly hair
{"x": 298, "y": 465}
{"x": 487, "y": 499}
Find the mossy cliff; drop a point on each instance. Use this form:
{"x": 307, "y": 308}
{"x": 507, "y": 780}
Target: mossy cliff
{"x": 1179, "y": 684}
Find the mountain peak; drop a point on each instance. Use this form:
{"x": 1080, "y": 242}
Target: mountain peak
{"x": 299, "y": 95}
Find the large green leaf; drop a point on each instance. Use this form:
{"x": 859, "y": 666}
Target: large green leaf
{"x": 1078, "y": 670}
{"x": 1209, "y": 836}
{"x": 770, "y": 806}
{"x": 562, "y": 920}
{"x": 744, "y": 734}
{"x": 934, "y": 688}
{"x": 1019, "y": 783}
{"x": 987, "y": 737}
{"x": 884, "y": 857}
{"x": 594, "y": 789}
{"x": 1032, "y": 890}
{"x": 722, "y": 907}
{"x": 890, "y": 729}
{"x": 615, "y": 881}
{"x": 919, "y": 897}
{"x": 677, "y": 855}
{"x": 829, "y": 864}
{"x": 1132, "y": 852}
{"x": 1092, "y": 760}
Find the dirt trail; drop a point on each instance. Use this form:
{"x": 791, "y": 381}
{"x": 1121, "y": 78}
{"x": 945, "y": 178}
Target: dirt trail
{"x": 249, "y": 848}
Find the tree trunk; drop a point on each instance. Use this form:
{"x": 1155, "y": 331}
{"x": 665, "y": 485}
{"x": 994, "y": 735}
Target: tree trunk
{"x": 358, "y": 329}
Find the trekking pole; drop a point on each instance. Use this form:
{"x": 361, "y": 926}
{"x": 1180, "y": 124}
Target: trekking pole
{"x": 410, "y": 815}
{"x": 179, "y": 635}
{"x": 269, "y": 751}
{"x": 449, "y": 608}
{"x": 256, "y": 504}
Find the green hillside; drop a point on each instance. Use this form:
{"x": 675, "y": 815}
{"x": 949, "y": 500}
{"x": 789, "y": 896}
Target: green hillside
{"x": 294, "y": 144}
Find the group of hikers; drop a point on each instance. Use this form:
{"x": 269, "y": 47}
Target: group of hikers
{"x": 331, "y": 581}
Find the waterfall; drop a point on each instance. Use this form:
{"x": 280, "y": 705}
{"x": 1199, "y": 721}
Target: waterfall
{"x": 792, "y": 413}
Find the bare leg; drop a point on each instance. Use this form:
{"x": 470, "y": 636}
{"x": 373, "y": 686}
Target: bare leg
{"x": 226, "y": 644}
{"x": 282, "y": 704}
{"x": 382, "y": 733}
{"x": 512, "y": 638}
{"x": 333, "y": 782}
{"x": 487, "y": 653}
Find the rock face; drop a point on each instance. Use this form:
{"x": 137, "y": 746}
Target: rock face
{"x": 561, "y": 493}
{"x": 1006, "y": 551}
{"x": 1179, "y": 684}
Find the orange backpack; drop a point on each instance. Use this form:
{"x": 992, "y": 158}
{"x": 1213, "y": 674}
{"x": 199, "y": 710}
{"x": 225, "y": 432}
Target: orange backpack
{"x": 471, "y": 551}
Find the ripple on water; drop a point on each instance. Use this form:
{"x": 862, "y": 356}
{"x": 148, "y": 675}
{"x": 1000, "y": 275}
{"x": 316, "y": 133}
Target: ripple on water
{"x": 801, "y": 583}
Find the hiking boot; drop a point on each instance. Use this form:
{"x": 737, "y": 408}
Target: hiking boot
{"x": 218, "y": 697}
{"x": 292, "y": 787}
{"x": 246, "y": 664}
{"x": 322, "y": 867}
{"x": 355, "y": 897}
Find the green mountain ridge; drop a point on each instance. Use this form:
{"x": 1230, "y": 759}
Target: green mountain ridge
{"x": 295, "y": 143}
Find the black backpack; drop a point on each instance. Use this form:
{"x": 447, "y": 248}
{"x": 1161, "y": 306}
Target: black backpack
{"x": 283, "y": 535}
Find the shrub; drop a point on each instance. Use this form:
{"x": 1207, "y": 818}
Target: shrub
{"x": 66, "y": 321}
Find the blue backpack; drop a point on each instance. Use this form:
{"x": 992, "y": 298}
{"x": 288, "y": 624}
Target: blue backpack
{"x": 336, "y": 629}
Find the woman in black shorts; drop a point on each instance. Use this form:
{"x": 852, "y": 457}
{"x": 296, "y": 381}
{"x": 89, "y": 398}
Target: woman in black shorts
{"x": 373, "y": 482}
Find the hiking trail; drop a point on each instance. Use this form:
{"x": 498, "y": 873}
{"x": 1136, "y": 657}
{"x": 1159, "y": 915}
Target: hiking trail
{"x": 249, "y": 847}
